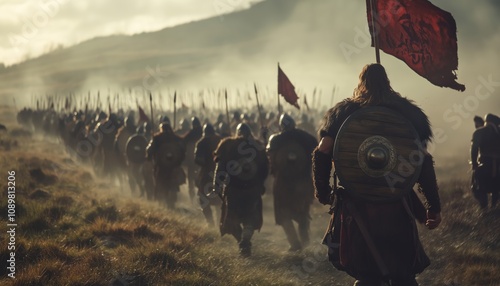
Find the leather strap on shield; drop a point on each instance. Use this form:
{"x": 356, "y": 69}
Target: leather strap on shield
{"x": 377, "y": 155}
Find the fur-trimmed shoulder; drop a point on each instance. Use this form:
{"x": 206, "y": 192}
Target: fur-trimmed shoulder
{"x": 336, "y": 116}
{"x": 414, "y": 114}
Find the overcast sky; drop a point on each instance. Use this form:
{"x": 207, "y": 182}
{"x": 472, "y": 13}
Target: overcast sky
{"x": 29, "y": 28}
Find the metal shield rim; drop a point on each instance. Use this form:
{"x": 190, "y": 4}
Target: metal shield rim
{"x": 345, "y": 183}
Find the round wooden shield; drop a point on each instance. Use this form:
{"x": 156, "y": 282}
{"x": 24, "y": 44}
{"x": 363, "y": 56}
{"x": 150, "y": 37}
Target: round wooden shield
{"x": 171, "y": 154}
{"x": 136, "y": 149}
{"x": 122, "y": 140}
{"x": 377, "y": 155}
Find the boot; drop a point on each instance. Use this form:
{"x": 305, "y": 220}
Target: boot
{"x": 291, "y": 236}
{"x": 245, "y": 248}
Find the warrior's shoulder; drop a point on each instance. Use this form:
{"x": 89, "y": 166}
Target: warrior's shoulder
{"x": 411, "y": 111}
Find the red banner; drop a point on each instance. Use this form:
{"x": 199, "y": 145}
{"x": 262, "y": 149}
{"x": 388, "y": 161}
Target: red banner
{"x": 286, "y": 88}
{"x": 420, "y": 34}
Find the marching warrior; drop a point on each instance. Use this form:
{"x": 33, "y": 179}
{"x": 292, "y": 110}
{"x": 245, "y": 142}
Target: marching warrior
{"x": 204, "y": 157}
{"x": 167, "y": 152}
{"x": 485, "y": 157}
{"x": 190, "y": 139}
{"x": 241, "y": 168}
{"x": 289, "y": 155}
{"x": 132, "y": 170}
{"x": 379, "y": 240}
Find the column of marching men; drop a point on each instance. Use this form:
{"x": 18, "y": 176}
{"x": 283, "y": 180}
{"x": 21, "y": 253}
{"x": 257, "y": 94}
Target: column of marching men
{"x": 226, "y": 162}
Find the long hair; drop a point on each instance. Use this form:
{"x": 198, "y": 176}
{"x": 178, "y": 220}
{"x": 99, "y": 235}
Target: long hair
{"x": 374, "y": 86}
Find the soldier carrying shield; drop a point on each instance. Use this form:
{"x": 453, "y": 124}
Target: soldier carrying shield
{"x": 167, "y": 152}
{"x": 241, "y": 169}
{"x": 376, "y": 140}
{"x": 204, "y": 157}
{"x": 289, "y": 155}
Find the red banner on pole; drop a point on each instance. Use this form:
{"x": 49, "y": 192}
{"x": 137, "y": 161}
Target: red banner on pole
{"x": 420, "y": 34}
{"x": 286, "y": 88}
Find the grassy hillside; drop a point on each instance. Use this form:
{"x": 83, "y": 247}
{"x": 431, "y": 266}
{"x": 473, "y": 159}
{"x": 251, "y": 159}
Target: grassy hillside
{"x": 74, "y": 229}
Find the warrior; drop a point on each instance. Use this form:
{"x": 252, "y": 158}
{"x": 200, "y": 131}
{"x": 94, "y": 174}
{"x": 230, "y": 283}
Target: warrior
{"x": 190, "y": 139}
{"x": 241, "y": 170}
{"x": 132, "y": 170}
{"x": 203, "y": 156}
{"x": 167, "y": 152}
{"x": 289, "y": 155}
{"x": 378, "y": 235}
{"x": 147, "y": 169}
{"x": 107, "y": 130}
{"x": 485, "y": 158}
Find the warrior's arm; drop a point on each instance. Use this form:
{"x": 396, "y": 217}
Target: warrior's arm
{"x": 322, "y": 167}
{"x": 199, "y": 153}
{"x": 271, "y": 152}
{"x": 151, "y": 149}
{"x": 474, "y": 151}
{"x": 428, "y": 186}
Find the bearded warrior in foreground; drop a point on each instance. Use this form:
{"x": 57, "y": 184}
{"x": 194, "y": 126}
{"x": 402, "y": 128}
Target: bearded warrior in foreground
{"x": 379, "y": 139}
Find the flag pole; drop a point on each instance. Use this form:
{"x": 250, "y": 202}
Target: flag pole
{"x": 152, "y": 115}
{"x": 278, "y": 94}
{"x": 374, "y": 33}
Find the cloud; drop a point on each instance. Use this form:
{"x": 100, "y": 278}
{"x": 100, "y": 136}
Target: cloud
{"x": 30, "y": 28}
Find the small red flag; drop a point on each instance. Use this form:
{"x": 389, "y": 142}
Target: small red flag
{"x": 420, "y": 34}
{"x": 142, "y": 115}
{"x": 286, "y": 88}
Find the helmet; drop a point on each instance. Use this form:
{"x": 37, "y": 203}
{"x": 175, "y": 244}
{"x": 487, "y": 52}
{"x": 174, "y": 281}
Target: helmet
{"x": 113, "y": 118}
{"x": 184, "y": 123}
{"x": 195, "y": 122}
{"x": 224, "y": 128}
{"x": 286, "y": 122}
{"x": 129, "y": 121}
{"x": 243, "y": 130}
{"x": 208, "y": 130}
{"x": 165, "y": 127}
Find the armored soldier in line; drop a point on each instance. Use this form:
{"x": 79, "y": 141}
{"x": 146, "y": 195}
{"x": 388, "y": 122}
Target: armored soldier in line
{"x": 289, "y": 155}
{"x": 107, "y": 130}
{"x": 190, "y": 139}
{"x": 204, "y": 157}
{"x": 485, "y": 158}
{"x": 241, "y": 170}
{"x": 131, "y": 170}
{"x": 379, "y": 152}
{"x": 147, "y": 168}
{"x": 167, "y": 152}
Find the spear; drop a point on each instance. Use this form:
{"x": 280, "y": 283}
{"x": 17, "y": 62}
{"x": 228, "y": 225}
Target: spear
{"x": 227, "y": 113}
{"x": 263, "y": 127}
{"x": 175, "y": 108}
